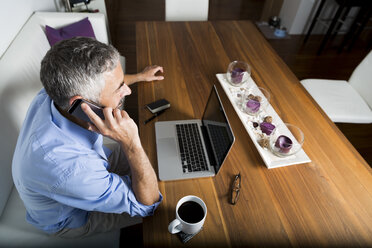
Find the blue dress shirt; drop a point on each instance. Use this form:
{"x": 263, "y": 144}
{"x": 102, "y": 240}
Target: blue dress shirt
{"x": 60, "y": 172}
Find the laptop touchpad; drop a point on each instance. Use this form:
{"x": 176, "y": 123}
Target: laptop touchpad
{"x": 169, "y": 163}
{"x": 167, "y": 147}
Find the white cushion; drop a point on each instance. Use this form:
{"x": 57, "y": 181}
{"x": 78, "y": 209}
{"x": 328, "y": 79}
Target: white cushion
{"x": 361, "y": 79}
{"x": 339, "y": 100}
{"x": 186, "y": 10}
{"x": 16, "y": 232}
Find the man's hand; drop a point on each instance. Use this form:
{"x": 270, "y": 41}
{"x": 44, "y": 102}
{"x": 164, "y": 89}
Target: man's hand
{"x": 148, "y": 74}
{"x": 117, "y": 126}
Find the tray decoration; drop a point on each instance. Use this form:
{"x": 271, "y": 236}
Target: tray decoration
{"x": 261, "y": 125}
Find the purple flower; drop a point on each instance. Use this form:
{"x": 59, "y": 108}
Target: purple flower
{"x": 237, "y": 75}
{"x": 267, "y": 128}
{"x": 253, "y": 105}
{"x": 284, "y": 144}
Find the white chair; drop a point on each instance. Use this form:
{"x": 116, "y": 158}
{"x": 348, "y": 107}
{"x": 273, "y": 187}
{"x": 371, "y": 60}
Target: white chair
{"x": 345, "y": 101}
{"x": 186, "y": 10}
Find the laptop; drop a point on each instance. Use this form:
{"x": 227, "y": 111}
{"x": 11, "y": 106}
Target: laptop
{"x": 194, "y": 148}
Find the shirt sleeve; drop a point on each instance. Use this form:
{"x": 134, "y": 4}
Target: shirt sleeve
{"x": 91, "y": 187}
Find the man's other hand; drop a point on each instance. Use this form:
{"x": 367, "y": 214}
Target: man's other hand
{"x": 148, "y": 74}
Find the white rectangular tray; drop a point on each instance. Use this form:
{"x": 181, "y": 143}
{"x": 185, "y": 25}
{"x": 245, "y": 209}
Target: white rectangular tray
{"x": 271, "y": 160}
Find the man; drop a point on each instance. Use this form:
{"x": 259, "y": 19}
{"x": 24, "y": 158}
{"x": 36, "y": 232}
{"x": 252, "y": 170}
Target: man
{"x": 72, "y": 185}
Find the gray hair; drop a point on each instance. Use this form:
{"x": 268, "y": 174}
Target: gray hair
{"x": 76, "y": 67}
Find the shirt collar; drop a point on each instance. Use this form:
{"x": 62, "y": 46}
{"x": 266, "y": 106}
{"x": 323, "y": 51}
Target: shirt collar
{"x": 81, "y": 135}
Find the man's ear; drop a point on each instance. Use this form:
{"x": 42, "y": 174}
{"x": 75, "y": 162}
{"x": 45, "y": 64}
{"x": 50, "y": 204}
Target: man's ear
{"x": 73, "y": 99}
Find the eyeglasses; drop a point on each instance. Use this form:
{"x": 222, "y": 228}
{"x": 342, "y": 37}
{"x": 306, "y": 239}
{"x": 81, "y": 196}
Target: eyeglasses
{"x": 235, "y": 189}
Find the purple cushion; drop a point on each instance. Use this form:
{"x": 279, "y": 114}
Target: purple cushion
{"x": 80, "y": 28}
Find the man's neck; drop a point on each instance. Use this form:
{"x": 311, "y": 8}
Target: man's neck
{"x": 72, "y": 118}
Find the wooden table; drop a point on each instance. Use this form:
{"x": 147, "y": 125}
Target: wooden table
{"x": 326, "y": 202}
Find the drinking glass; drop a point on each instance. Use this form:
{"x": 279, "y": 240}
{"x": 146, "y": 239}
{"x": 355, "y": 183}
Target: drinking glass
{"x": 238, "y": 73}
{"x": 254, "y": 100}
{"x": 286, "y": 140}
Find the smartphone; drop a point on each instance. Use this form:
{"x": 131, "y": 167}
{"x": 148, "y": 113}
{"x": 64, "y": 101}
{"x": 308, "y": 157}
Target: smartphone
{"x": 158, "y": 105}
{"x": 76, "y": 110}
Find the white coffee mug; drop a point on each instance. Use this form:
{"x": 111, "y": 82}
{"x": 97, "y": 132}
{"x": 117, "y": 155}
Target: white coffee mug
{"x": 190, "y": 215}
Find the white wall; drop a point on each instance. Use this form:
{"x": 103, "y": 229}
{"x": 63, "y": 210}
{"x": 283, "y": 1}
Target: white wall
{"x": 302, "y": 16}
{"x": 288, "y": 13}
{"x": 295, "y": 14}
{"x": 14, "y": 13}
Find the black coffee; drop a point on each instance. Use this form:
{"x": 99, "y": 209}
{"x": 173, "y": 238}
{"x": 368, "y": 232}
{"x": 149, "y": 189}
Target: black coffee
{"x": 191, "y": 212}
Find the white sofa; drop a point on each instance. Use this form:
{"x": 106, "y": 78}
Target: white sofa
{"x": 19, "y": 83}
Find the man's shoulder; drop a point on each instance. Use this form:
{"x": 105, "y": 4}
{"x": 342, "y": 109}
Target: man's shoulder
{"x": 40, "y": 141}
{"x": 49, "y": 159}
{"x": 38, "y": 110}
{"x": 44, "y": 147}
{"x": 41, "y": 97}
{"x": 39, "y": 129}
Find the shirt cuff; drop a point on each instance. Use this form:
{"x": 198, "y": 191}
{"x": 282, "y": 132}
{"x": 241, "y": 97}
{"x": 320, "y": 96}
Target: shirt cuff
{"x": 137, "y": 208}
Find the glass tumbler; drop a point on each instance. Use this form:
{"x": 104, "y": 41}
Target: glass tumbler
{"x": 286, "y": 140}
{"x": 254, "y": 100}
{"x": 238, "y": 73}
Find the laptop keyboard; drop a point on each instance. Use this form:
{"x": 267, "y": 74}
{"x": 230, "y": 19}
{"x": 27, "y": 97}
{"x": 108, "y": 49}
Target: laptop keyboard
{"x": 191, "y": 148}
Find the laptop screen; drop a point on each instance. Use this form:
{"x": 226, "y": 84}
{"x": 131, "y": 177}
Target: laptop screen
{"x": 218, "y": 129}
